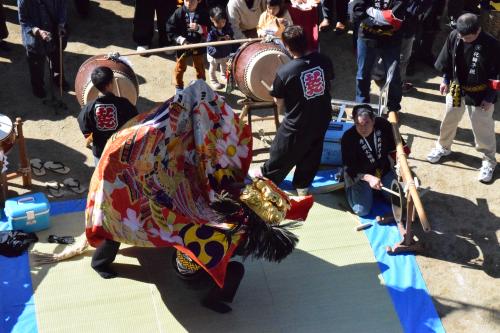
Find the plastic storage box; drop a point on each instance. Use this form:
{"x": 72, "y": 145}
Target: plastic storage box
{"x": 29, "y": 212}
{"x": 332, "y": 153}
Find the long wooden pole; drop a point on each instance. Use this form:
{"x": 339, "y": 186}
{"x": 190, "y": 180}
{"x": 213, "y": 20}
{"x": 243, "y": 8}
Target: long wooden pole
{"x": 192, "y": 46}
{"x": 406, "y": 173}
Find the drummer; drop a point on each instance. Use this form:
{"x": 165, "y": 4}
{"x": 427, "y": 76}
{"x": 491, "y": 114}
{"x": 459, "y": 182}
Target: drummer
{"x": 365, "y": 154}
{"x": 103, "y": 116}
{"x": 301, "y": 91}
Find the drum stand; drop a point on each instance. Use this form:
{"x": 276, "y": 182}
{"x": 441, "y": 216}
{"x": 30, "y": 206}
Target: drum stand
{"x": 249, "y": 105}
{"x": 24, "y": 171}
{"x": 405, "y": 219}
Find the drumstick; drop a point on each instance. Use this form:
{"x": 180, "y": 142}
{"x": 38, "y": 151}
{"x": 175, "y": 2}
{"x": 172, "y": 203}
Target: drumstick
{"x": 118, "y": 87}
{"x": 268, "y": 87}
{"x": 193, "y": 46}
{"x": 391, "y": 191}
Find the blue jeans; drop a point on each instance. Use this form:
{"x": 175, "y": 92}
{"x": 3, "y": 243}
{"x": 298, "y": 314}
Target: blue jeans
{"x": 360, "y": 194}
{"x": 367, "y": 55}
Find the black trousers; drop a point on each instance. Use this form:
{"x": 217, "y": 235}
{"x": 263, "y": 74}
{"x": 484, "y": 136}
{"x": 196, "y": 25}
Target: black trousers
{"x": 82, "y": 7}
{"x": 36, "y": 63}
{"x": 105, "y": 254}
{"x": 4, "y": 33}
{"x": 144, "y": 19}
{"x": 340, "y": 10}
{"x": 302, "y": 150}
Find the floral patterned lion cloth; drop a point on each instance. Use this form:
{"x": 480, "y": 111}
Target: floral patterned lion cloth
{"x": 158, "y": 174}
{"x": 166, "y": 179}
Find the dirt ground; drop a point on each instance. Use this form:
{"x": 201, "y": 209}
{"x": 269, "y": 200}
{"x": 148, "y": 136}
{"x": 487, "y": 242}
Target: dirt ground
{"x": 461, "y": 261}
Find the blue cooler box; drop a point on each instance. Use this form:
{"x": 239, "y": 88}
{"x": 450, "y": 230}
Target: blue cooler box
{"x": 29, "y": 212}
{"x": 332, "y": 153}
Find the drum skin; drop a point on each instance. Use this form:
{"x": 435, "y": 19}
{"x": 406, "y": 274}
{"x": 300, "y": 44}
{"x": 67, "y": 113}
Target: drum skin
{"x": 125, "y": 82}
{"x": 256, "y": 62}
{"x": 7, "y": 134}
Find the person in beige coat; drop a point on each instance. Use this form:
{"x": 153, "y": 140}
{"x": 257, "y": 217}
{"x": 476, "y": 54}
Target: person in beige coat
{"x": 244, "y": 16}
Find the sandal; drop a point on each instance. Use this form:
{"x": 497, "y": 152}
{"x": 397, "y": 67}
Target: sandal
{"x": 74, "y": 185}
{"x": 57, "y": 167}
{"x": 54, "y": 189}
{"x": 61, "y": 239}
{"x": 37, "y": 167}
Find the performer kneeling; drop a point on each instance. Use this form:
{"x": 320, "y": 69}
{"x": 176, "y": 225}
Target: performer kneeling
{"x": 174, "y": 177}
{"x": 365, "y": 155}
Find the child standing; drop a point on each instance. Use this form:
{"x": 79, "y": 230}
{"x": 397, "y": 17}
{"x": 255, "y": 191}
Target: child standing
{"x": 274, "y": 20}
{"x": 188, "y": 25}
{"x": 218, "y": 55}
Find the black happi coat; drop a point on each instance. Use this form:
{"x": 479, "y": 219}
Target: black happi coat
{"x": 358, "y": 158}
{"x": 103, "y": 117}
{"x": 471, "y": 64}
{"x": 178, "y": 23}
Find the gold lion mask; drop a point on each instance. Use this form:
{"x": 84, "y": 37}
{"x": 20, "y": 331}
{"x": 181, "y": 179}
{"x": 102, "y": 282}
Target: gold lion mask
{"x": 269, "y": 202}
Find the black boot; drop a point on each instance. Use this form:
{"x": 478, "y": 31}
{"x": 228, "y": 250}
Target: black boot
{"x": 217, "y": 296}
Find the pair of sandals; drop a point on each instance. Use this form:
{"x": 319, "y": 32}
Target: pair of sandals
{"x": 38, "y": 167}
{"x": 56, "y": 189}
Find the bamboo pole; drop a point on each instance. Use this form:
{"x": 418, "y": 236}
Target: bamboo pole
{"x": 192, "y": 46}
{"x": 406, "y": 173}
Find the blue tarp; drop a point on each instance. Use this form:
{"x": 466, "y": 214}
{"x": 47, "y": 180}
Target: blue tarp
{"x": 401, "y": 275}
{"x": 17, "y": 306}
{"x": 402, "y": 278}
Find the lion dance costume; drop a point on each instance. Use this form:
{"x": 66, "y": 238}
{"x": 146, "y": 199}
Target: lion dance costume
{"x": 174, "y": 177}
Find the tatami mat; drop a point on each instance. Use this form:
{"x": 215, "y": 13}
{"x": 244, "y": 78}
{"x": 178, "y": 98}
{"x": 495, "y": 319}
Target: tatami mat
{"x": 331, "y": 283}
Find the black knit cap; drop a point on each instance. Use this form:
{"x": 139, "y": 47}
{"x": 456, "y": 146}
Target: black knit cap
{"x": 468, "y": 24}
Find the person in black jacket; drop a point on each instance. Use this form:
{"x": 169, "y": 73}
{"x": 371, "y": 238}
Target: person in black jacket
{"x": 188, "y": 25}
{"x": 366, "y": 148}
{"x": 470, "y": 65}
{"x": 105, "y": 115}
{"x": 218, "y": 55}
{"x": 379, "y": 35}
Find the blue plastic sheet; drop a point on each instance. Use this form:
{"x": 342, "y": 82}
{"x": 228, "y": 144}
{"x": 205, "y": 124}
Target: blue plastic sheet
{"x": 322, "y": 178}
{"x": 17, "y": 306}
{"x": 402, "y": 277}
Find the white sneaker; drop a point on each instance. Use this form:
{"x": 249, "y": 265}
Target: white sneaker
{"x": 485, "y": 174}
{"x": 302, "y": 192}
{"x": 436, "y": 154}
{"x": 178, "y": 90}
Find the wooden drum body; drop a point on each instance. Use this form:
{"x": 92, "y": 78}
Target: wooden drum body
{"x": 7, "y": 134}
{"x": 254, "y": 68}
{"x": 125, "y": 82}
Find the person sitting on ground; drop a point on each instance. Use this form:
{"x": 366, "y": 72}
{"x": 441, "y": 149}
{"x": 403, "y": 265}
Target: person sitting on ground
{"x": 470, "y": 65}
{"x": 102, "y": 117}
{"x": 188, "y": 25}
{"x": 365, "y": 156}
{"x": 274, "y": 20}
{"x": 301, "y": 91}
{"x": 218, "y": 55}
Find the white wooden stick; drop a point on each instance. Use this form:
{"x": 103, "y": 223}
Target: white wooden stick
{"x": 192, "y": 46}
